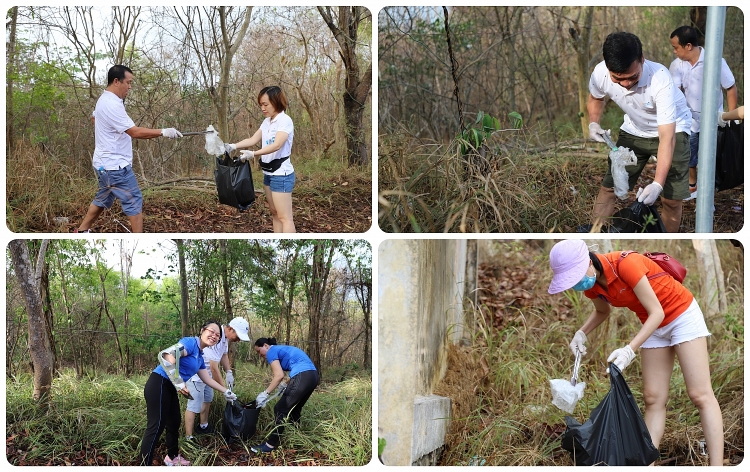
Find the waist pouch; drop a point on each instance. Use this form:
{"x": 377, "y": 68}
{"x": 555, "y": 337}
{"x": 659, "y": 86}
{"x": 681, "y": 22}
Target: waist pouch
{"x": 274, "y": 165}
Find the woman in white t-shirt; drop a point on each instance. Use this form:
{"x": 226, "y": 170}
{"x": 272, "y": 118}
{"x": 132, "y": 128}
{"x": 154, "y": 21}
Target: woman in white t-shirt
{"x": 275, "y": 135}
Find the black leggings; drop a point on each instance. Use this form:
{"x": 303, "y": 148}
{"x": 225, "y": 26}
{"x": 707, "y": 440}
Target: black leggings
{"x": 290, "y": 405}
{"x": 163, "y": 412}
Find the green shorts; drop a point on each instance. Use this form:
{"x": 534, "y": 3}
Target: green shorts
{"x": 676, "y": 186}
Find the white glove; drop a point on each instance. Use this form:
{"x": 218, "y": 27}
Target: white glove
{"x": 282, "y": 387}
{"x": 621, "y": 357}
{"x": 230, "y": 147}
{"x": 578, "y": 343}
{"x": 229, "y": 396}
{"x": 246, "y": 155}
{"x": 649, "y": 194}
{"x": 230, "y": 379}
{"x": 720, "y": 121}
{"x": 171, "y": 133}
{"x": 261, "y": 399}
{"x": 596, "y": 132}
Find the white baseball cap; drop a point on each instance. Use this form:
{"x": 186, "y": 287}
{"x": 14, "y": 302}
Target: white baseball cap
{"x": 242, "y": 327}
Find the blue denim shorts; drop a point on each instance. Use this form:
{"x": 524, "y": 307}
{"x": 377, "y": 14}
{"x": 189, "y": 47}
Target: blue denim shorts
{"x": 694, "y": 139}
{"x": 121, "y": 185}
{"x": 280, "y": 183}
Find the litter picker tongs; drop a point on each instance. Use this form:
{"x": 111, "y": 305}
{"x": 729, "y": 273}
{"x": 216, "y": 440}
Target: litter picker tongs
{"x": 576, "y": 366}
{"x": 196, "y": 133}
{"x": 606, "y": 137}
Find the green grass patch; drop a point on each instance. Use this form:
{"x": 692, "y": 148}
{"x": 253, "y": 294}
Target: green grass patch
{"x": 100, "y": 421}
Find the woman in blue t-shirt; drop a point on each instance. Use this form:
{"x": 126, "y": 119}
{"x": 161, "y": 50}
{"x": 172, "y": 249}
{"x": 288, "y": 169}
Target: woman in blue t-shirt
{"x": 303, "y": 379}
{"x": 166, "y": 381}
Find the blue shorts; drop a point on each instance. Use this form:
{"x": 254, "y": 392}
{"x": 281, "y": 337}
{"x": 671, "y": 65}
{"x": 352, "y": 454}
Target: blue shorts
{"x": 201, "y": 394}
{"x": 280, "y": 183}
{"x": 121, "y": 185}
{"x": 694, "y": 150}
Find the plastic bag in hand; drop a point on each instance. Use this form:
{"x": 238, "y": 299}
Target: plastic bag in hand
{"x": 620, "y": 158}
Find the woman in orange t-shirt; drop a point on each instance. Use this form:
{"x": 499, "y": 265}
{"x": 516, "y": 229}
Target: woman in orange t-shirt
{"x": 673, "y": 324}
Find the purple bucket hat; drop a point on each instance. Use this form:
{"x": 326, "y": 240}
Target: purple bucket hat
{"x": 569, "y": 261}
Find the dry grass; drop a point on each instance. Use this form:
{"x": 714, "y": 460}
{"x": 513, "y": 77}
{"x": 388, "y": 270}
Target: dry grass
{"x": 40, "y": 186}
{"x": 514, "y": 188}
{"x": 520, "y": 186}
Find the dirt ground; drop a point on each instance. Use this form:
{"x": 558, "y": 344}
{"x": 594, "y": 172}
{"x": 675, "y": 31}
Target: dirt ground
{"x": 229, "y": 454}
{"x": 728, "y": 213}
{"x": 729, "y": 207}
{"x": 342, "y": 207}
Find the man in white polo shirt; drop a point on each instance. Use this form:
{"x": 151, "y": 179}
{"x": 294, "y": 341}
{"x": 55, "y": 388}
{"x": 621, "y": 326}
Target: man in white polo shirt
{"x": 113, "y": 155}
{"x": 657, "y": 122}
{"x": 687, "y": 73}
{"x": 237, "y": 330}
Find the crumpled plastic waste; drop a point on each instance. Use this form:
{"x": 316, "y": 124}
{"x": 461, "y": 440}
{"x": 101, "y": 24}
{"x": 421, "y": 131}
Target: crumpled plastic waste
{"x": 620, "y": 158}
{"x": 214, "y": 144}
{"x": 565, "y": 396}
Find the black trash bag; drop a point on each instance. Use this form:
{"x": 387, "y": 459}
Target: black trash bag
{"x": 637, "y": 218}
{"x": 234, "y": 183}
{"x": 730, "y": 156}
{"x": 615, "y": 435}
{"x": 240, "y": 420}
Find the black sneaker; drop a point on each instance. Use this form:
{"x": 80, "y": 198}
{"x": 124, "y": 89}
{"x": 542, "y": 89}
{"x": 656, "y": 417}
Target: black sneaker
{"x": 207, "y": 430}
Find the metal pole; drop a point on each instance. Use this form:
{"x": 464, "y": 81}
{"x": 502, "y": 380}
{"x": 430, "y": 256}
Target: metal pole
{"x": 711, "y": 94}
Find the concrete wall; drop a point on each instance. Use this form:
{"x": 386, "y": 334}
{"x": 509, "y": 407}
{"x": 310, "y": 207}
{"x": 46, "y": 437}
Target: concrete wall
{"x": 420, "y": 289}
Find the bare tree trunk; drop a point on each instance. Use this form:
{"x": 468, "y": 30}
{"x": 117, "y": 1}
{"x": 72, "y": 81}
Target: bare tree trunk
{"x": 581, "y": 36}
{"x": 49, "y": 315}
{"x": 126, "y": 264}
{"x": 9, "y": 76}
{"x": 291, "y": 285}
{"x": 357, "y": 88}
{"x": 183, "y": 287}
{"x": 215, "y": 42}
{"x": 105, "y": 308}
{"x": 316, "y": 286}
{"x": 38, "y": 342}
{"x": 225, "y": 278}
{"x": 66, "y": 306}
{"x": 470, "y": 279}
{"x": 713, "y": 299}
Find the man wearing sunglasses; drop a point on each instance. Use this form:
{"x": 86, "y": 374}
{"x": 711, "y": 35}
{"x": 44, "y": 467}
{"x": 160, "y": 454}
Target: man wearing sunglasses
{"x": 656, "y": 123}
{"x": 237, "y": 330}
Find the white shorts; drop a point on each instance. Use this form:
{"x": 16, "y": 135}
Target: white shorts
{"x": 686, "y": 327}
{"x": 201, "y": 394}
